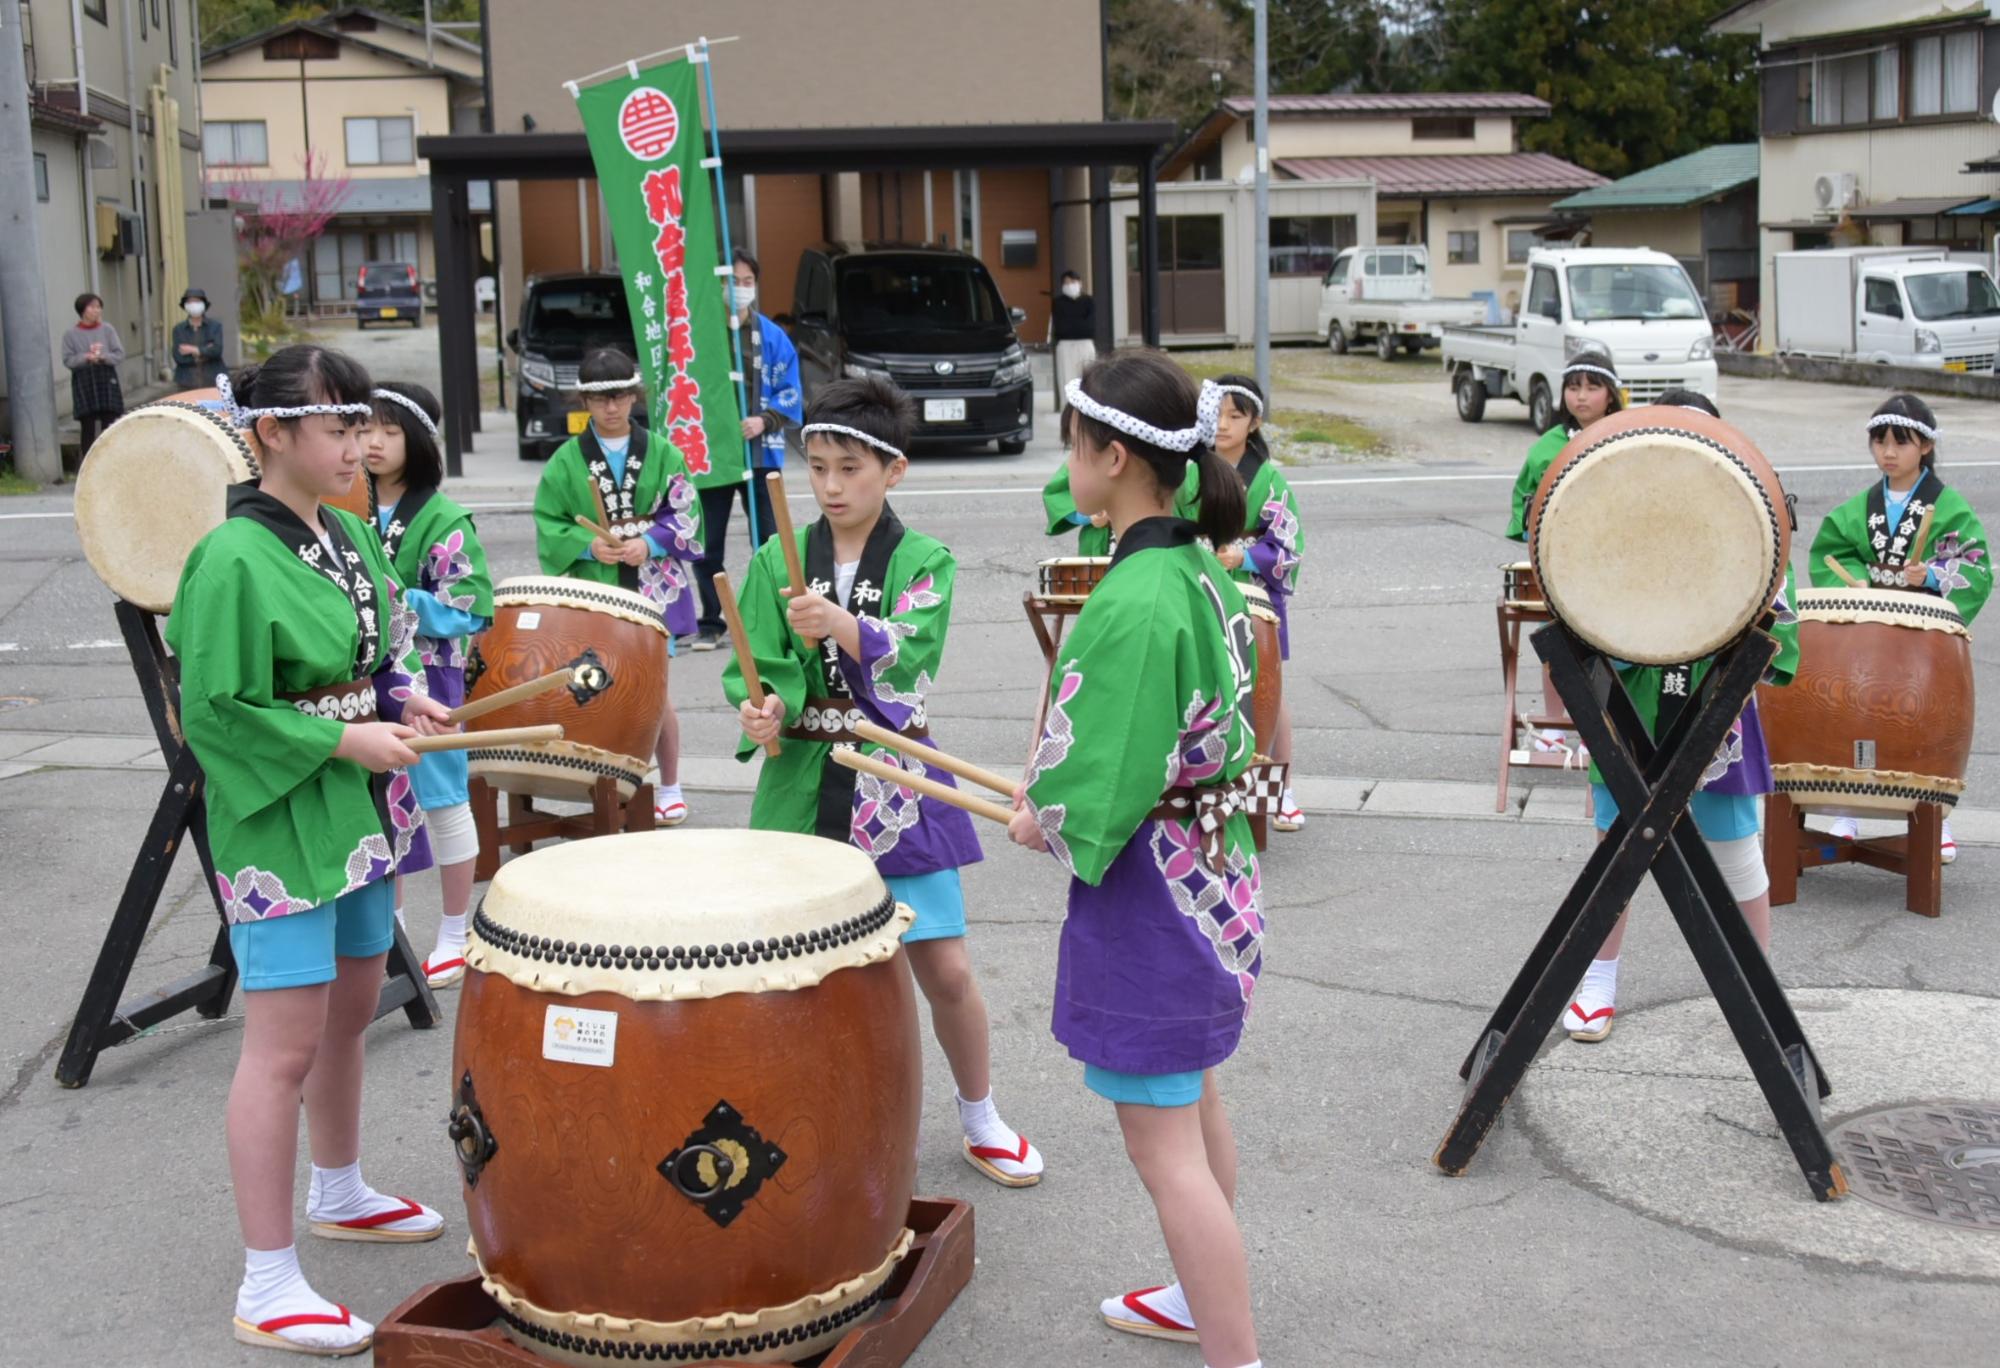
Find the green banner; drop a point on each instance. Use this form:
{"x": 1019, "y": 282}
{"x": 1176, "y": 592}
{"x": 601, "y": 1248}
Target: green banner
{"x": 647, "y": 142}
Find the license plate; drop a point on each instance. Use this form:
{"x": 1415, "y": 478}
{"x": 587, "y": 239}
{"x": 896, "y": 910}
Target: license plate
{"x": 1624, "y": 398}
{"x": 388, "y": 313}
{"x": 944, "y": 410}
{"x": 578, "y": 421}
{"x": 1954, "y": 365}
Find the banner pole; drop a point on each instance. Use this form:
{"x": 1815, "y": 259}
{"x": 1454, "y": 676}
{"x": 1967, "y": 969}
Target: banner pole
{"x": 750, "y": 444}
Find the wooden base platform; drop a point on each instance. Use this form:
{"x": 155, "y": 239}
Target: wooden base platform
{"x": 526, "y": 824}
{"x": 1790, "y": 849}
{"x": 454, "y": 1324}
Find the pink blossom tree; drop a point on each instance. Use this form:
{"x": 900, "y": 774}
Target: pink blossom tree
{"x": 275, "y": 225}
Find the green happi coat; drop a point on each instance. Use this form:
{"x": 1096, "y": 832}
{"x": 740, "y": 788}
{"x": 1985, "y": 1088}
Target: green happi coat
{"x": 255, "y": 617}
{"x": 1857, "y": 535}
{"x": 1058, "y": 508}
{"x": 432, "y": 545}
{"x": 1541, "y": 456}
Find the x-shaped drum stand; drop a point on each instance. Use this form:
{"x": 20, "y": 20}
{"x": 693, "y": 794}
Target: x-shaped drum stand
{"x": 1653, "y": 784}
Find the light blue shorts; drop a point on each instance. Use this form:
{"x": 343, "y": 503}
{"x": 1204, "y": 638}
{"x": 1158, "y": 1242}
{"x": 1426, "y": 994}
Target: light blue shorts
{"x": 1147, "y": 1090}
{"x": 939, "y": 902}
{"x": 1717, "y": 816}
{"x": 297, "y": 950}
{"x": 440, "y": 779}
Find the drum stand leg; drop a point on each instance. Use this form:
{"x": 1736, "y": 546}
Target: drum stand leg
{"x": 1510, "y": 668}
{"x": 1915, "y": 856}
{"x": 486, "y": 823}
{"x": 102, "y": 1019}
{"x": 1653, "y": 833}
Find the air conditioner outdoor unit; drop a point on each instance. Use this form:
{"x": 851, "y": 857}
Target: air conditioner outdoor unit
{"x": 1836, "y": 190}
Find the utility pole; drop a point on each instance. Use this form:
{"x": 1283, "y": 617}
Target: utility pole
{"x": 1261, "y": 238}
{"x": 24, "y": 302}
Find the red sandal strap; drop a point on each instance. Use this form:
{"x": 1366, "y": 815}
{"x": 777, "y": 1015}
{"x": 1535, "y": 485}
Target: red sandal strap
{"x": 1165, "y": 1322}
{"x": 1019, "y": 1155}
{"x": 444, "y": 967}
{"x": 1588, "y": 1017}
{"x": 277, "y": 1323}
{"x": 382, "y": 1218}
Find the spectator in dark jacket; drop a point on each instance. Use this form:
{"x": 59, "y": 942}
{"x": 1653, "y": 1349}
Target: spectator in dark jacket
{"x": 197, "y": 343}
{"x": 1073, "y": 330}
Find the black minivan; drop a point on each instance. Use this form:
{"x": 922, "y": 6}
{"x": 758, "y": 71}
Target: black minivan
{"x": 562, "y": 318}
{"x": 930, "y": 319}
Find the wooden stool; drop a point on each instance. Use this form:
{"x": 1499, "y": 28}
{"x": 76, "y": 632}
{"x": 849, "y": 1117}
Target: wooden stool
{"x": 526, "y": 824}
{"x": 1512, "y": 615}
{"x": 1790, "y": 849}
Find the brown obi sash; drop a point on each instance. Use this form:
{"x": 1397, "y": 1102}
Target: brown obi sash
{"x": 353, "y": 701}
{"x": 1255, "y": 793}
{"x": 832, "y": 720}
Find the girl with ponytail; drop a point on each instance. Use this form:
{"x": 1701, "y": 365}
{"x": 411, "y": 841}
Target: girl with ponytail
{"x": 1161, "y": 947}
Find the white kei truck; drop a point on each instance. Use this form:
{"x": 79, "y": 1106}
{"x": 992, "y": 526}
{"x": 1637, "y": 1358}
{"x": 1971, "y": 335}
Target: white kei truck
{"x": 1637, "y": 304}
{"x": 1889, "y": 306}
{"x": 1383, "y": 294}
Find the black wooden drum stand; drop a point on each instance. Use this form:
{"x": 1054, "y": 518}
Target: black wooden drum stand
{"x": 1653, "y": 785}
{"x": 101, "y": 1019}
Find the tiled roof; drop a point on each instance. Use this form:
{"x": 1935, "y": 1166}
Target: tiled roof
{"x": 1505, "y": 173}
{"x": 1468, "y": 102}
{"x": 1693, "y": 179}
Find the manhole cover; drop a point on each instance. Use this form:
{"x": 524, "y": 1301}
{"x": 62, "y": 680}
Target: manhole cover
{"x": 1940, "y": 1162}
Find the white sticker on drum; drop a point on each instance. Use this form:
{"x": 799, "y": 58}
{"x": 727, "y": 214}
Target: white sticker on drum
{"x": 576, "y": 1035}
{"x": 528, "y": 622}
{"x": 1864, "y": 755}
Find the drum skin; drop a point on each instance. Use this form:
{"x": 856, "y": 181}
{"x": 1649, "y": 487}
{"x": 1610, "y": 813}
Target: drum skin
{"x": 572, "y": 1212}
{"x": 1907, "y": 690}
{"x": 618, "y": 727}
{"x": 1659, "y": 535}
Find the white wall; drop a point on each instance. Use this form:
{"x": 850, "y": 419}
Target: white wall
{"x": 1350, "y": 137}
{"x": 1787, "y": 22}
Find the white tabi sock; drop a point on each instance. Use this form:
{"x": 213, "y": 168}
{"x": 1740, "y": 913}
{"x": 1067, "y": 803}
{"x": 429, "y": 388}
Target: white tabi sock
{"x": 1601, "y": 980}
{"x": 451, "y": 939}
{"x": 664, "y": 794}
{"x": 338, "y": 1195}
{"x": 984, "y": 1130}
{"x": 274, "y": 1287}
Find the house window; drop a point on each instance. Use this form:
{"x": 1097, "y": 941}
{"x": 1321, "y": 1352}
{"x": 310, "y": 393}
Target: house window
{"x": 1840, "y": 90}
{"x": 1944, "y": 74}
{"x": 1441, "y": 129}
{"x": 1520, "y": 241}
{"x": 235, "y": 143}
{"x": 1462, "y": 249}
{"x": 381, "y": 142}
{"x": 42, "y": 177}
{"x": 1306, "y": 246}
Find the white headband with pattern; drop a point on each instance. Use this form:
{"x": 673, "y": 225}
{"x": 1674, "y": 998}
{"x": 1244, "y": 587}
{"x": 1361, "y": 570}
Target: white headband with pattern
{"x": 412, "y": 405}
{"x": 1590, "y": 368}
{"x": 247, "y": 417}
{"x": 1207, "y": 408}
{"x": 606, "y": 386}
{"x": 842, "y": 430}
{"x": 1916, "y": 425}
{"x": 1248, "y": 393}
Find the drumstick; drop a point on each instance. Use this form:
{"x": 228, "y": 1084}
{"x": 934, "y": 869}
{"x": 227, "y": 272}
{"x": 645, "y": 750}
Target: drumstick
{"x": 1923, "y": 536}
{"x": 1833, "y": 564}
{"x": 788, "y": 541}
{"x": 554, "y": 679}
{"x": 746, "y": 659}
{"x": 930, "y": 788}
{"x": 505, "y": 736}
{"x": 930, "y": 755}
{"x": 603, "y": 532}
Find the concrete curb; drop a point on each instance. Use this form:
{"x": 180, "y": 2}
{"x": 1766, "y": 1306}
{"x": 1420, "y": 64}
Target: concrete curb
{"x": 1858, "y": 373}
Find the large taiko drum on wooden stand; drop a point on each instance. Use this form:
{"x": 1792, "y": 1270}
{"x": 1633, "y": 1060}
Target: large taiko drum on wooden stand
{"x": 686, "y": 1105}
{"x": 1659, "y": 535}
{"x": 615, "y": 646}
{"x": 1270, "y": 691}
{"x": 1879, "y": 716}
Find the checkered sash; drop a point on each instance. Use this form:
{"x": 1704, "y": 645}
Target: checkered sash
{"x": 1255, "y": 793}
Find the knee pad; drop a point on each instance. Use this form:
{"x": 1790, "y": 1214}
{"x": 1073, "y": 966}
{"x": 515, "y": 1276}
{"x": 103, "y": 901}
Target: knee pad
{"x": 1742, "y": 865}
{"x": 454, "y": 840}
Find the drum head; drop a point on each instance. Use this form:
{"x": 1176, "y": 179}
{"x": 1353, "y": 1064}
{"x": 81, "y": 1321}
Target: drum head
{"x": 155, "y": 484}
{"x": 555, "y": 591}
{"x": 1659, "y": 540}
{"x": 643, "y": 915}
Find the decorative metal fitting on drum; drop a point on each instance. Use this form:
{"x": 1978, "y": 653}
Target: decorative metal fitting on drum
{"x": 722, "y": 1165}
{"x": 467, "y": 1128}
{"x": 589, "y": 676}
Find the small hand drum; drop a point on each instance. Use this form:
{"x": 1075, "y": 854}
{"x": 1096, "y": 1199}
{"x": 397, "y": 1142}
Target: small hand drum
{"x": 1521, "y": 586}
{"x": 1069, "y": 579}
{"x": 1660, "y": 535}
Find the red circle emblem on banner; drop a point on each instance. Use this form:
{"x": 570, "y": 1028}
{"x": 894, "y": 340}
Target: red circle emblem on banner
{"x": 648, "y": 123}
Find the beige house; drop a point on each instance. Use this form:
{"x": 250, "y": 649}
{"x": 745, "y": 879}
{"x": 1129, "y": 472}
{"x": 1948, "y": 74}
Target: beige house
{"x": 113, "y": 105}
{"x": 353, "y": 90}
{"x": 1447, "y": 169}
{"x": 1876, "y": 123}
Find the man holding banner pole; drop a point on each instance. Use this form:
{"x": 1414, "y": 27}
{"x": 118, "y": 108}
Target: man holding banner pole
{"x": 773, "y": 401}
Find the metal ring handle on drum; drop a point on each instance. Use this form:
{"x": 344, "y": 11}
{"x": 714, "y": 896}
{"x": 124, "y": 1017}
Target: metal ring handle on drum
{"x": 725, "y": 1168}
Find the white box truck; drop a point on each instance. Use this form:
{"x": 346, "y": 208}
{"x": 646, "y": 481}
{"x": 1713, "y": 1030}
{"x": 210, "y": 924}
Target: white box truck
{"x": 1891, "y": 306}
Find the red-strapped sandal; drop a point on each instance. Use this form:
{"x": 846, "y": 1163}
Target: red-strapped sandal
{"x": 1596, "y": 1025}
{"x": 445, "y": 972}
{"x": 1130, "y": 1314}
{"x": 368, "y": 1229}
{"x": 265, "y": 1334}
{"x": 982, "y": 1157}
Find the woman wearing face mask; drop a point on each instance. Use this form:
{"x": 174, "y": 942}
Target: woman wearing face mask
{"x": 1072, "y": 331}
{"x": 197, "y": 343}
